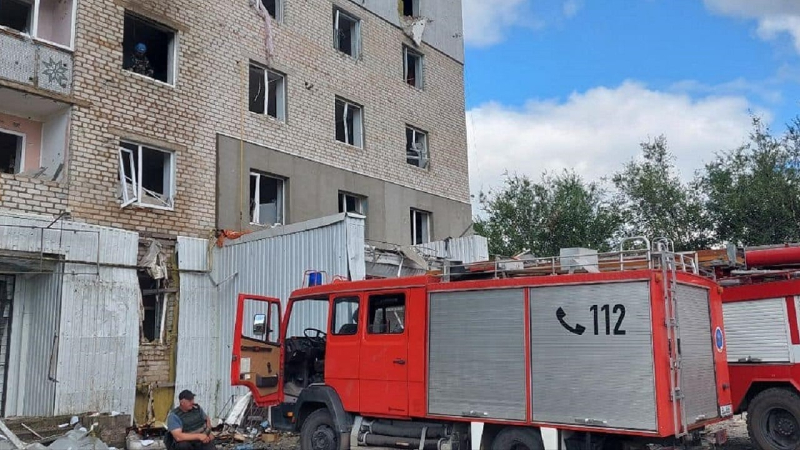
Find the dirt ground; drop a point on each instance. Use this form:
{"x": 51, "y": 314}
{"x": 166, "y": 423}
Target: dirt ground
{"x": 737, "y": 434}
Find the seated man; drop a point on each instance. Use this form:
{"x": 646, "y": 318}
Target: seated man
{"x": 189, "y": 426}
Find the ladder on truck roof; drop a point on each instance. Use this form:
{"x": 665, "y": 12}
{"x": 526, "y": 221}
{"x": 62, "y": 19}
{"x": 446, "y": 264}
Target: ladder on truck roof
{"x": 627, "y": 257}
{"x": 664, "y": 249}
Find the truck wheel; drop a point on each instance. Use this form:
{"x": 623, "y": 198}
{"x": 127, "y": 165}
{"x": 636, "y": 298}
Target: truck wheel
{"x": 773, "y": 420}
{"x": 318, "y": 433}
{"x": 517, "y": 438}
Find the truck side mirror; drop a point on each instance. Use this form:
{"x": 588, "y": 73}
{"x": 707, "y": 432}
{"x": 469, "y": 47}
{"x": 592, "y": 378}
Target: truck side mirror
{"x": 259, "y": 324}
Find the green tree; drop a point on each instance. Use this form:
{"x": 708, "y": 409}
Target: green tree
{"x": 656, "y": 203}
{"x": 754, "y": 191}
{"x": 560, "y": 211}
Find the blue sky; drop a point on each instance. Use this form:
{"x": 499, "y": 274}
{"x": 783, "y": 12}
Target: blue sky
{"x": 577, "y": 84}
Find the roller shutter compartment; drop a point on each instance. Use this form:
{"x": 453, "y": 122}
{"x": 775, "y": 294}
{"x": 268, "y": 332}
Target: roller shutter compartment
{"x": 476, "y": 354}
{"x": 592, "y": 355}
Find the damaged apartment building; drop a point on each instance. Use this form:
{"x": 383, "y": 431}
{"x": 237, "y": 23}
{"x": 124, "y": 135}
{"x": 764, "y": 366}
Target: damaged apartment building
{"x": 145, "y": 143}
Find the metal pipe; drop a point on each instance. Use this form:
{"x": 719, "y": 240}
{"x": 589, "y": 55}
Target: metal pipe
{"x": 772, "y": 257}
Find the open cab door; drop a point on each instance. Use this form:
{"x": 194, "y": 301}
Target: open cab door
{"x": 257, "y": 348}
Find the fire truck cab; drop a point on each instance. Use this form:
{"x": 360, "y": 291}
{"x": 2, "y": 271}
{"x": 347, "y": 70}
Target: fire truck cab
{"x": 612, "y": 349}
{"x": 761, "y": 303}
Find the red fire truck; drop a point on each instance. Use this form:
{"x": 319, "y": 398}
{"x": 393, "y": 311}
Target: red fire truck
{"x": 610, "y": 349}
{"x": 761, "y": 304}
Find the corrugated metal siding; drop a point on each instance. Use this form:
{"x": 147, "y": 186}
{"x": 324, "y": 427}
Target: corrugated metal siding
{"x": 39, "y": 298}
{"x": 77, "y": 242}
{"x": 199, "y": 340}
{"x": 757, "y": 329}
{"x": 698, "y": 376}
{"x": 98, "y": 319}
{"x": 193, "y": 253}
{"x": 576, "y": 377}
{"x": 99, "y": 343}
{"x": 467, "y": 249}
{"x": 268, "y": 263}
{"x": 476, "y": 354}
{"x": 6, "y": 306}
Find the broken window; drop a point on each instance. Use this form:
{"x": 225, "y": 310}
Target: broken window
{"x": 346, "y": 33}
{"x": 417, "y": 147}
{"x": 149, "y": 48}
{"x": 387, "y": 314}
{"x": 349, "y": 128}
{"x": 273, "y": 8}
{"x": 409, "y": 7}
{"x": 146, "y": 176}
{"x": 154, "y": 307}
{"x": 12, "y": 147}
{"x": 267, "y": 92}
{"x": 266, "y": 199}
{"x": 17, "y": 14}
{"x": 412, "y": 67}
{"x": 420, "y": 227}
{"x": 50, "y": 20}
{"x": 352, "y": 203}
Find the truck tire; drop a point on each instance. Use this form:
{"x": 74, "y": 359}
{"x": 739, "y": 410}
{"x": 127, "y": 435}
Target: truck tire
{"x": 518, "y": 438}
{"x": 318, "y": 432}
{"x": 773, "y": 420}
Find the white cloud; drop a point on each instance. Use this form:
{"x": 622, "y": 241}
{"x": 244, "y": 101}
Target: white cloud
{"x": 571, "y": 7}
{"x": 486, "y": 22}
{"x": 596, "y": 132}
{"x": 774, "y": 17}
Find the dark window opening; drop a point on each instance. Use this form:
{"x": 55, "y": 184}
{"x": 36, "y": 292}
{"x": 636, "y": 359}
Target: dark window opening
{"x": 150, "y": 184}
{"x": 412, "y": 68}
{"x": 345, "y": 33}
{"x": 266, "y": 199}
{"x": 416, "y": 147}
{"x": 153, "y": 306}
{"x": 409, "y": 7}
{"x": 348, "y": 123}
{"x": 272, "y": 7}
{"x": 267, "y": 92}
{"x": 257, "y": 91}
{"x": 345, "y": 316}
{"x": 10, "y": 153}
{"x": 387, "y": 314}
{"x": 155, "y": 165}
{"x": 351, "y": 203}
{"x": 420, "y": 227}
{"x": 17, "y": 14}
{"x": 147, "y": 48}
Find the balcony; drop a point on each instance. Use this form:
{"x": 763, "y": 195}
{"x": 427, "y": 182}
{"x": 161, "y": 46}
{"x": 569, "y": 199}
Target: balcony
{"x": 35, "y": 63}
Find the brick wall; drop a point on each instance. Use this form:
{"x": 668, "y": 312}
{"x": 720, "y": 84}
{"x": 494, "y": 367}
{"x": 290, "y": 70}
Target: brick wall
{"x": 216, "y": 42}
{"x": 32, "y": 195}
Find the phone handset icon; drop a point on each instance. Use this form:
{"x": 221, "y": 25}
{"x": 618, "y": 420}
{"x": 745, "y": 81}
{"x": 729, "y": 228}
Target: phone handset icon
{"x": 577, "y": 329}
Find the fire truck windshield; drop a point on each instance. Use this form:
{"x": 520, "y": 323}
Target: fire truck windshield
{"x": 308, "y": 318}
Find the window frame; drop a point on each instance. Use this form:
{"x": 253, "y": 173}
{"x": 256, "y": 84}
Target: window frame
{"x": 254, "y": 214}
{"x": 359, "y": 142}
{"x": 371, "y": 318}
{"x": 414, "y": 8}
{"x": 280, "y": 95}
{"x": 278, "y": 17}
{"x": 21, "y": 145}
{"x": 137, "y": 182}
{"x": 427, "y": 222}
{"x": 424, "y": 156}
{"x": 34, "y": 25}
{"x": 361, "y": 203}
{"x": 172, "y": 50}
{"x": 344, "y": 298}
{"x": 355, "y": 36}
{"x": 419, "y": 76}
